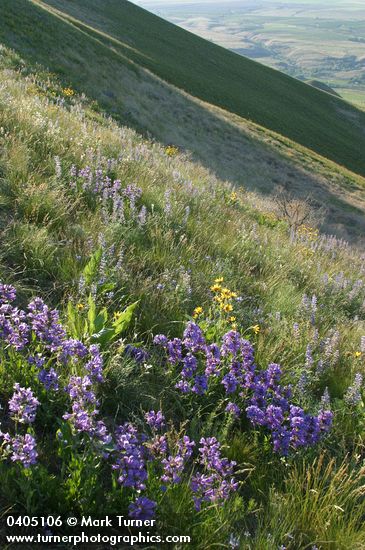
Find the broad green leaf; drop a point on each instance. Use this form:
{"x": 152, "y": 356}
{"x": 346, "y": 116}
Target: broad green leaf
{"x": 101, "y": 320}
{"x": 91, "y": 314}
{"x": 123, "y": 321}
{"x": 91, "y": 269}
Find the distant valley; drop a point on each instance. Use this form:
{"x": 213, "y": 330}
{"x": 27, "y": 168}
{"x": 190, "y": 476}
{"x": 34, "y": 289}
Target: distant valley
{"x": 308, "y": 39}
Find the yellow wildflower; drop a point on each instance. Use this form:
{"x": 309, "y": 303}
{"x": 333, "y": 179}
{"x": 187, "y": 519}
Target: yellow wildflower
{"x": 171, "y": 150}
{"x": 197, "y": 311}
{"x": 117, "y": 314}
{"x": 234, "y": 326}
{"x": 227, "y": 307}
{"x": 232, "y": 319}
{"x": 80, "y": 306}
{"x": 68, "y": 92}
{"x": 219, "y": 280}
{"x": 358, "y": 354}
{"x": 256, "y": 329}
{"x": 215, "y": 288}
{"x": 226, "y": 292}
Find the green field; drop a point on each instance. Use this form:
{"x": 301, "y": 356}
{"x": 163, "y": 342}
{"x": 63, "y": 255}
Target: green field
{"x": 313, "y": 40}
{"x": 66, "y": 35}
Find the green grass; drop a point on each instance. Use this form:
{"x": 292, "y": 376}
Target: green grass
{"x": 87, "y": 43}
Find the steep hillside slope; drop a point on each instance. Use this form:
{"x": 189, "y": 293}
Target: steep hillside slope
{"x": 233, "y": 148}
{"x": 129, "y": 240}
{"x": 322, "y": 86}
{"x": 86, "y": 39}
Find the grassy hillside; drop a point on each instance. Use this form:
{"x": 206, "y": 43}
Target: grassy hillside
{"x": 86, "y": 41}
{"x": 234, "y": 149}
{"x": 126, "y": 238}
{"x": 322, "y": 86}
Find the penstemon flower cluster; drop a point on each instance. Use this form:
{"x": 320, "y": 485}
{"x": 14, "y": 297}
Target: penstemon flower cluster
{"x": 37, "y": 337}
{"x": 258, "y": 393}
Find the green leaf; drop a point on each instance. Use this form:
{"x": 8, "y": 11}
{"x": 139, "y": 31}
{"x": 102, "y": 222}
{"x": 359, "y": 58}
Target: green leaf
{"x": 91, "y": 314}
{"x": 101, "y": 320}
{"x": 91, "y": 269}
{"x": 103, "y": 337}
{"x": 71, "y": 319}
{"x": 124, "y": 319}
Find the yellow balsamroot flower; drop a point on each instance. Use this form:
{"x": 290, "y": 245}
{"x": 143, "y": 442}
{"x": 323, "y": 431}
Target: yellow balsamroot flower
{"x": 197, "y": 311}
{"x": 80, "y": 306}
{"x": 116, "y": 315}
{"x": 171, "y": 150}
{"x": 226, "y": 292}
{"x": 227, "y": 307}
{"x": 215, "y": 288}
{"x": 218, "y": 299}
{"x": 308, "y": 232}
{"x": 232, "y": 319}
{"x": 219, "y": 280}
{"x": 358, "y": 354}
{"x": 233, "y": 197}
{"x": 234, "y": 326}
{"x": 68, "y": 92}
{"x": 256, "y": 329}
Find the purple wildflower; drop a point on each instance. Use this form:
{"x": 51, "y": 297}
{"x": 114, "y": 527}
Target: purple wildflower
{"x": 95, "y": 365}
{"x": 130, "y": 458}
{"x": 193, "y": 338}
{"x": 160, "y": 340}
{"x": 7, "y": 293}
{"x": 190, "y": 365}
{"x": 24, "y": 450}
{"x": 49, "y": 379}
{"x": 233, "y": 409}
{"x": 142, "y": 508}
{"x": 138, "y": 354}
{"x": 155, "y": 420}
{"x": 230, "y": 383}
{"x": 72, "y": 349}
{"x": 23, "y": 405}
{"x": 200, "y": 384}
{"x": 353, "y": 394}
{"x": 174, "y": 348}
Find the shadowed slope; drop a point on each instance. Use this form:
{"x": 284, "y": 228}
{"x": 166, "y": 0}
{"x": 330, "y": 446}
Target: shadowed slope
{"x": 325, "y": 124}
{"x": 233, "y": 148}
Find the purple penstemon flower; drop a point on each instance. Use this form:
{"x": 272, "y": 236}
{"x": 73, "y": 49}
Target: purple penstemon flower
{"x": 190, "y": 364}
{"x": 130, "y": 458}
{"x": 7, "y": 293}
{"x": 216, "y": 483}
{"x": 49, "y": 379}
{"x": 24, "y": 450}
{"x": 233, "y": 409}
{"x": 160, "y": 340}
{"x": 23, "y": 405}
{"x": 193, "y": 338}
{"x": 155, "y": 420}
{"x": 95, "y": 365}
{"x": 142, "y": 508}
{"x": 138, "y": 354}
